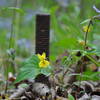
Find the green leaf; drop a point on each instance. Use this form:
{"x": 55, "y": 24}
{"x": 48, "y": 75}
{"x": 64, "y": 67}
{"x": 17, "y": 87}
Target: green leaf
{"x": 27, "y": 74}
{"x": 27, "y": 66}
{"x": 46, "y": 71}
{"x": 19, "y": 10}
{"x": 29, "y": 69}
{"x": 33, "y": 61}
{"x": 89, "y": 75}
{"x": 70, "y": 97}
{"x": 85, "y": 21}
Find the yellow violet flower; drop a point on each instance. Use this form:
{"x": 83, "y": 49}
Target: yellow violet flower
{"x": 43, "y": 63}
{"x": 42, "y": 57}
{"x": 85, "y": 28}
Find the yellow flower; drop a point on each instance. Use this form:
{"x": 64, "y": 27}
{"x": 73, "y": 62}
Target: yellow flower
{"x": 42, "y": 57}
{"x": 43, "y": 63}
{"x": 81, "y": 42}
{"x": 85, "y": 28}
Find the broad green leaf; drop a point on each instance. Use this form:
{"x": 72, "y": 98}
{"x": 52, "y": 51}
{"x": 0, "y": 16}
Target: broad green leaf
{"x": 70, "y": 97}
{"x": 46, "y": 71}
{"x": 27, "y": 74}
{"x": 27, "y": 66}
{"x": 33, "y": 61}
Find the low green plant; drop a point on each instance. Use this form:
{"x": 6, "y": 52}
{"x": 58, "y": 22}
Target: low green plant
{"x": 33, "y": 66}
{"x": 88, "y": 51}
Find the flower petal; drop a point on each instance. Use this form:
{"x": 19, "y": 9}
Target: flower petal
{"x": 44, "y": 64}
{"x": 42, "y": 57}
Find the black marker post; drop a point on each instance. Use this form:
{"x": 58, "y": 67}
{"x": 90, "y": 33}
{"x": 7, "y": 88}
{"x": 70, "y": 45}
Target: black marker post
{"x": 42, "y": 34}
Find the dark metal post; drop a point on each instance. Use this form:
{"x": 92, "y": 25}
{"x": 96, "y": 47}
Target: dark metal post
{"x": 42, "y": 34}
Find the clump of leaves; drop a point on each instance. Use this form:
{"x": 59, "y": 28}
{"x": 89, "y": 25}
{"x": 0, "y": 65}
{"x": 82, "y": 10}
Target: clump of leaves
{"x": 31, "y": 68}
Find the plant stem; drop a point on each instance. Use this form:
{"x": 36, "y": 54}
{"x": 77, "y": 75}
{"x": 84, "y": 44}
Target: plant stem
{"x": 90, "y": 22}
{"x": 11, "y": 42}
{"x": 86, "y": 34}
